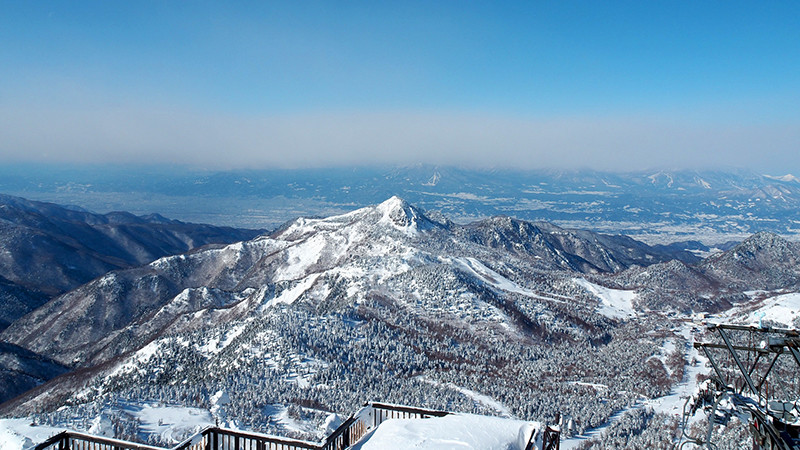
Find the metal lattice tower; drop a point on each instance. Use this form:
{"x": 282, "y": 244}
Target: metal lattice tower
{"x": 744, "y": 360}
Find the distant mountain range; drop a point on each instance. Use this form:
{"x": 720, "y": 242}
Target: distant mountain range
{"x": 657, "y": 206}
{"x": 392, "y": 303}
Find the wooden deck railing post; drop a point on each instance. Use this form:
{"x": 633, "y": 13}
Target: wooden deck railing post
{"x": 551, "y": 440}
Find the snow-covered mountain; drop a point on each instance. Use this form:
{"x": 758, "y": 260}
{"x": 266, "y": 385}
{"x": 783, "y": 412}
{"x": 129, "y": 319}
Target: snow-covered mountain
{"x": 383, "y": 303}
{"x": 47, "y": 249}
{"x": 328, "y": 263}
{"x": 764, "y": 262}
{"x": 388, "y": 303}
{"x": 785, "y": 178}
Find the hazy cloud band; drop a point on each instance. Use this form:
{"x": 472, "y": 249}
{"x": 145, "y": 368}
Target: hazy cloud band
{"x": 318, "y": 140}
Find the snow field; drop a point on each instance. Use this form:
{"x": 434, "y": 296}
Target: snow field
{"x": 19, "y": 434}
{"x": 173, "y": 423}
{"x": 614, "y": 303}
{"x": 783, "y": 309}
{"x": 454, "y": 431}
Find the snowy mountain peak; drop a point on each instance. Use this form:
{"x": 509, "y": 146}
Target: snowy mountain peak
{"x": 766, "y": 260}
{"x": 382, "y": 302}
{"x": 786, "y": 178}
{"x": 433, "y": 180}
{"x": 662, "y": 178}
{"x": 400, "y": 213}
{"x": 393, "y": 202}
{"x": 763, "y": 241}
{"x": 395, "y": 213}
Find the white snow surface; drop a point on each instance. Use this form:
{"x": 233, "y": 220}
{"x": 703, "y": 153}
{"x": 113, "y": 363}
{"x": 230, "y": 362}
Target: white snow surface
{"x": 614, "y": 303}
{"x": 454, "y": 431}
{"x": 138, "y": 360}
{"x": 496, "y": 280}
{"x": 476, "y": 396}
{"x": 783, "y": 309}
{"x": 173, "y": 423}
{"x": 218, "y": 402}
{"x": 673, "y": 403}
{"x": 280, "y": 415}
{"x": 290, "y": 295}
{"x": 332, "y": 422}
{"x": 314, "y": 247}
{"x": 302, "y": 256}
{"x": 216, "y": 344}
{"x": 787, "y": 178}
{"x": 102, "y": 426}
{"x": 19, "y": 434}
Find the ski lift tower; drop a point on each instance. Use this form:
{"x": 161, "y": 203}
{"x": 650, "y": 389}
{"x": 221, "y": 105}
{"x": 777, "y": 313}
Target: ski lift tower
{"x": 758, "y": 367}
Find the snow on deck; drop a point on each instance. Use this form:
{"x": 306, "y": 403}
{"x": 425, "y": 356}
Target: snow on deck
{"x": 614, "y": 303}
{"x": 19, "y": 434}
{"x": 454, "y": 431}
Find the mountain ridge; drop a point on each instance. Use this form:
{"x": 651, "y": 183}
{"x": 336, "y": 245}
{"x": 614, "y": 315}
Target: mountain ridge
{"x": 49, "y": 249}
{"x": 304, "y": 249}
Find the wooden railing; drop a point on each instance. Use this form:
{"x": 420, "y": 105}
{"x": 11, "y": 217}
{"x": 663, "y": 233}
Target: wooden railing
{"x": 368, "y": 418}
{"x": 224, "y": 439}
{"x": 384, "y": 412}
{"x": 214, "y": 438}
{"x": 70, "y": 440}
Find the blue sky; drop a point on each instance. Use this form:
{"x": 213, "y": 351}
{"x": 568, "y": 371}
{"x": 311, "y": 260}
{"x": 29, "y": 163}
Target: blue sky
{"x": 612, "y": 85}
